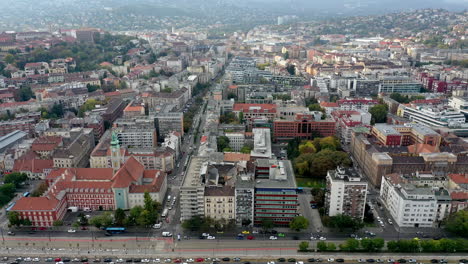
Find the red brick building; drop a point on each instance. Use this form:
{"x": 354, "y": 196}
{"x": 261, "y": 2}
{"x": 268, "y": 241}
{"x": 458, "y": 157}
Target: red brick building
{"x": 254, "y": 111}
{"x": 303, "y": 127}
{"x": 92, "y": 188}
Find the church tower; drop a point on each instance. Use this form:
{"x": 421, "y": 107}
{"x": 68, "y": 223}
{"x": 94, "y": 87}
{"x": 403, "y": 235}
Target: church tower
{"x": 115, "y": 153}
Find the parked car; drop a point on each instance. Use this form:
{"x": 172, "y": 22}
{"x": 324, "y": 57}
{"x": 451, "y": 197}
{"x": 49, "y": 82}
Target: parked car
{"x": 71, "y": 231}
{"x": 273, "y": 238}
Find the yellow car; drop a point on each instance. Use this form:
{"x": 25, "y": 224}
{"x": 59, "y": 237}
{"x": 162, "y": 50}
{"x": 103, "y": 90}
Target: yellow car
{"x": 245, "y": 232}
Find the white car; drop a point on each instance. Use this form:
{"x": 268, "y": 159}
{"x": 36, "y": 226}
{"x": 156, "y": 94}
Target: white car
{"x": 168, "y": 260}
{"x": 36, "y": 260}
{"x": 361, "y": 260}
{"x": 331, "y": 259}
{"x": 157, "y": 226}
{"x": 255, "y": 232}
{"x": 27, "y": 259}
{"x": 119, "y": 260}
{"x": 390, "y": 260}
{"x": 205, "y": 234}
{"x": 323, "y": 238}
{"x": 313, "y": 238}
{"x": 273, "y": 238}
{"x": 211, "y": 237}
{"x": 71, "y": 231}
{"x": 145, "y": 260}
{"x": 156, "y": 260}
{"x": 412, "y": 261}
{"x": 190, "y": 260}
{"x": 270, "y": 262}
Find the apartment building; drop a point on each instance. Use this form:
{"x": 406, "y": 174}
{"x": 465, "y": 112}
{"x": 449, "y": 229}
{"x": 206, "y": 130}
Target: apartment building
{"x": 236, "y": 140}
{"x": 433, "y": 116}
{"x": 346, "y": 193}
{"x": 220, "y": 202}
{"x": 166, "y": 123}
{"x": 405, "y": 135}
{"x": 349, "y": 104}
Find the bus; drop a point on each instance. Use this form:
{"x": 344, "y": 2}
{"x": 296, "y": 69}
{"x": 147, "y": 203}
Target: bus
{"x": 164, "y": 214}
{"x": 115, "y": 230}
{"x": 10, "y": 205}
{"x": 26, "y": 194}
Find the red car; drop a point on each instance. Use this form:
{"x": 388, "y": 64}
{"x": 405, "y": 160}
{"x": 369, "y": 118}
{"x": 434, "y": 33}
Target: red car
{"x": 200, "y": 260}
{"x": 177, "y": 261}
{"x": 42, "y": 228}
{"x": 58, "y": 259}
{"x": 250, "y": 237}
{"x": 84, "y": 228}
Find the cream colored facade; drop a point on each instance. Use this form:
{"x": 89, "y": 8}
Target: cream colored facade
{"x": 220, "y": 207}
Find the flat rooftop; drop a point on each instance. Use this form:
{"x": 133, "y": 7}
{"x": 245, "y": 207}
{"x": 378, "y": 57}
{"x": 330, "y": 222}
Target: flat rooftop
{"x": 288, "y": 182}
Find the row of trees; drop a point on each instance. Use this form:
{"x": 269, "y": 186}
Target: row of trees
{"x": 314, "y": 158}
{"x": 403, "y": 246}
{"x": 404, "y": 99}
{"x": 458, "y": 223}
{"x": 342, "y": 222}
{"x": 205, "y": 224}
{"x": 142, "y": 216}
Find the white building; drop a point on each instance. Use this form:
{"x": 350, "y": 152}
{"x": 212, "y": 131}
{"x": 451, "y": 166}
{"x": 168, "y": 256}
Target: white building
{"x": 409, "y": 205}
{"x": 346, "y": 193}
{"x": 262, "y": 143}
{"x": 433, "y": 116}
{"x": 236, "y": 140}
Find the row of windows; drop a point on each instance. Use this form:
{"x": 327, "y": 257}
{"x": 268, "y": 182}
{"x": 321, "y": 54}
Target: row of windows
{"x": 93, "y": 201}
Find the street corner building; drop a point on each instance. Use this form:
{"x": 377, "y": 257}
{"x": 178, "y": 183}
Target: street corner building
{"x": 94, "y": 189}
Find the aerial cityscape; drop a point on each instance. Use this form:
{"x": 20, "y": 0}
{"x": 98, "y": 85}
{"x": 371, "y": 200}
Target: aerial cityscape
{"x": 248, "y": 132}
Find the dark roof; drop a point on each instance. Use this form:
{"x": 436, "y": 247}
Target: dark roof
{"x": 219, "y": 191}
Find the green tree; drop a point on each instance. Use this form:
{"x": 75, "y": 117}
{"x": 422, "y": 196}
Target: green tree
{"x": 291, "y": 68}
{"x": 447, "y": 245}
{"x": 303, "y": 246}
{"x": 350, "y": 245}
{"x": 315, "y": 107}
{"x": 119, "y": 217}
{"x": 83, "y": 220}
{"x": 144, "y": 219}
{"x": 246, "y": 149}
{"x": 26, "y": 222}
{"x": 57, "y": 223}
{"x": 344, "y": 221}
{"x": 40, "y": 189}
{"x": 307, "y": 147}
{"x": 331, "y": 246}
{"x": 458, "y": 223}
{"x": 393, "y": 246}
{"x": 330, "y": 142}
{"x": 14, "y": 218}
{"x": 9, "y": 58}
{"x": 223, "y": 142}
{"x": 267, "y": 224}
{"x": 429, "y": 245}
{"x": 322, "y": 246}
{"x": 379, "y": 113}
{"x": 133, "y": 215}
{"x": 193, "y": 224}
{"x": 16, "y": 178}
{"x": 298, "y": 223}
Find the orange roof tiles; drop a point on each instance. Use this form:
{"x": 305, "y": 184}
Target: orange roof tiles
{"x": 35, "y": 203}
{"x": 131, "y": 171}
{"x": 459, "y": 178}
{"x": 235, "y": 156}
{"x": 33, "y": 165}
{"x": 328, "y": 104}
{"x": 459, "y": 195}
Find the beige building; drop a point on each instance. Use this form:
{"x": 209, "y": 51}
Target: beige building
{"x": 220, "y": 203}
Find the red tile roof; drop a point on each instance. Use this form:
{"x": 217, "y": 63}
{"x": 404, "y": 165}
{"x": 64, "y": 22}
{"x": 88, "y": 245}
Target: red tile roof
{"x": 100, "y": 174}
{"x": 328, "y": 104}
{"x": 131, "y": 171}
{"x": 35, "y": 204}
{"x": 459, "y": 195}
{"x": 155, "y": 185}
{"x": 459, "y": 178}
{"x": 32, "y": 165}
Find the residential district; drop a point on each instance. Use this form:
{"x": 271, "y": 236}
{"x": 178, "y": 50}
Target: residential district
{"x": 279, "y": 140}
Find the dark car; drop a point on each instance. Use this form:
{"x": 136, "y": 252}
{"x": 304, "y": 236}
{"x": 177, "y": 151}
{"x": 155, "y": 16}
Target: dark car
{"x": 402, "y": 260}
{"x": 274, "y": 232}
{"x": 66, "y": 260}
{"x": 226, "y": 259}
{"x": 370, "y": 260}
{"x": 291, "y": 260}
{"x": 311, "y": 260}
{"x": 434, "y": 261}
{"x": 107, "y": 260}
{"x": 136, "y": 260}
{"x": 281, "y": 260}
{"x": 128, "y": 260}
{"x": 339, "y": 260}
{"x": 295, "y": 238}
{"x": 246, "y": 262}
{"x": 84, "y": 260}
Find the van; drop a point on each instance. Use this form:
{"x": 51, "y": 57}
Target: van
{"x": 166, "y": 234}
{"x": 87, "y": 209}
